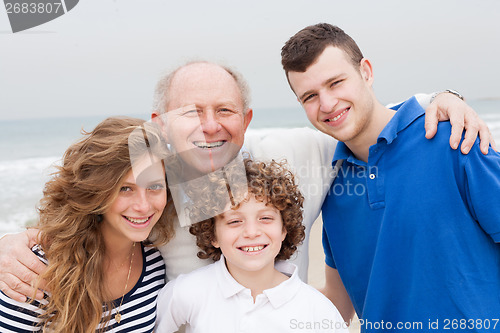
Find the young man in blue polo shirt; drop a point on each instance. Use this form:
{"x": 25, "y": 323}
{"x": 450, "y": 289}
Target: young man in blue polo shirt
{"x": 410, "y": 225}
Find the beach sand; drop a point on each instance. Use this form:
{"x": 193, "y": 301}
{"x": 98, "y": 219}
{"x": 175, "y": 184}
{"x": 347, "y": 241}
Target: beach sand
{"x": 316, "y": 273}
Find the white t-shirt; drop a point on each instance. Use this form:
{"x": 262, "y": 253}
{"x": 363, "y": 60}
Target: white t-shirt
{"x": 211, "y": 300}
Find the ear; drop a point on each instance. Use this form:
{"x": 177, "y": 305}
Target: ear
{"x": 366, "y": 70}
{"x": 157, "y": 119}
{"x": 248, "y": 118}
{"x": 215, "y": 244}
{"x": 283, "y": 234}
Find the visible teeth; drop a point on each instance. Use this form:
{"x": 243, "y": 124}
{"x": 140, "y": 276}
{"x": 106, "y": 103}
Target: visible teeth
{"x": 338, "y": 116}
{"x": 206, "y": 145}
{"x": 252, "y": 248}
{"x": 137, "y": 221}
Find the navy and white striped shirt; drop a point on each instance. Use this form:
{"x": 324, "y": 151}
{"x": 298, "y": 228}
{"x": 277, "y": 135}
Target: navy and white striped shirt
{"x": 138, "y": 310}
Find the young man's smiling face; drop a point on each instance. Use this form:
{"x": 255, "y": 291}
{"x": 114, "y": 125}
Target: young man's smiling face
{"x": 205, "y": 118}
{"x": 250, "y": 237}
{"x": 336, "y": 96}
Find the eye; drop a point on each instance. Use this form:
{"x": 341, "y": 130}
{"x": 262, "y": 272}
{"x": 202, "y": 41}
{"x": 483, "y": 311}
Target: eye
{"x": 267, "y": 218}
{"x": 156, "y": 187}
{"x": 308, "y": 98}
{"x": 233, "y": 222}
{"x": 226, "y": 111}
{"x": 334, "y": 83}
{"x": 125, "y": 189}
{"x": 191, "y": 113}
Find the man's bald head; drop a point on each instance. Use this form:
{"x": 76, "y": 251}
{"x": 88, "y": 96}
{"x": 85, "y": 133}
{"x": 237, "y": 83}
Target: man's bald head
{"x": 197, "y": 70}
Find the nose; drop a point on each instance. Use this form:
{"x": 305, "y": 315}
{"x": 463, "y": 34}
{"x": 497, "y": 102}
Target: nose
{"x": 251, "y": 229}
{"x": 327, "y": 102}
{"x": 210, "y": 123}
{"x": 141, "y": 201}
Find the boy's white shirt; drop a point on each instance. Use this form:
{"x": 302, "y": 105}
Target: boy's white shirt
{"x": 211, "y": 300}
{"x": 309, "y": 154}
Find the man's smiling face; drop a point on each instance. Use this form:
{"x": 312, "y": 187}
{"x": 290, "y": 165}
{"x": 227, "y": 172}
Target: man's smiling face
{"x": 205, "y": 118}
{"x": 337, "y": 96}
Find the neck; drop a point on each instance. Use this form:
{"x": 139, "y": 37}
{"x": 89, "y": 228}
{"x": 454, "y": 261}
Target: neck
{"x": 117, "y": 250}
{"x": 257, "y": 281}
{"x": 360, "y": 145}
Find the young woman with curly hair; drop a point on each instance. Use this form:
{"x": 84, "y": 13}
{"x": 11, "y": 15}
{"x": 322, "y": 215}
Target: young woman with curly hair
{"x": 250, "y": 286}
{"x": 96, "y": 215}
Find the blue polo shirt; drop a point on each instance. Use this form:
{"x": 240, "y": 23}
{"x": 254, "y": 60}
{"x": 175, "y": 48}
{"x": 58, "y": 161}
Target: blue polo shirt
{"x": 413, "y": 232}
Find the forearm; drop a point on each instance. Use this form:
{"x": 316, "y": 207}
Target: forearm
{"x": 335, "y": 291}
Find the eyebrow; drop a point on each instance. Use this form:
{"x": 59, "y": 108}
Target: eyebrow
{"x": 160, "y": 180}
{"x": 330, "y": 79}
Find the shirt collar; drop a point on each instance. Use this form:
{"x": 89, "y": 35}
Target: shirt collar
{"x": 406, "y": 113}
{"x": 277, "y": 296}
{"x": 227, "y": 283}
{"x": 286, "y": 290}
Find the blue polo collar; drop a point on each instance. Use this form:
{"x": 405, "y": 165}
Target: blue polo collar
{"x": 407, "y": 112}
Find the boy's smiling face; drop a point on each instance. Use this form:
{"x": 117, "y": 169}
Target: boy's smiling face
{"x": 250, "y": 237}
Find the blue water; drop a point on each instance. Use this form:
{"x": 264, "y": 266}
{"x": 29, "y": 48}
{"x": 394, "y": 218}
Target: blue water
{"x": 29, "y": 149}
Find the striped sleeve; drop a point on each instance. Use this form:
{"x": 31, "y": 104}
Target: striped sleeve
{"x": 21, "y": 317}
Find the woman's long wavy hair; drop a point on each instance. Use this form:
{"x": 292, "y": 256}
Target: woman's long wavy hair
{"x": 71, "y": 209}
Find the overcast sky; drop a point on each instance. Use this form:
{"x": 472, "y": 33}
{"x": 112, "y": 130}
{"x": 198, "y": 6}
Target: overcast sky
{"x": 104, "y": 56}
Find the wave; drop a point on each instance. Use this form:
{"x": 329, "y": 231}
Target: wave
{"x": 22, "y": 183}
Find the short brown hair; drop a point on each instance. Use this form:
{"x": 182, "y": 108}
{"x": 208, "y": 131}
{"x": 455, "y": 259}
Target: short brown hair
{"x": 269, "y": 182}
{"x": 302, "y": 49}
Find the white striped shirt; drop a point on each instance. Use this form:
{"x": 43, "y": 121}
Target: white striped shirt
{"x": 138, "y": 310}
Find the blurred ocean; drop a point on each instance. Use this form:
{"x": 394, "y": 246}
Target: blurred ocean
{"x": 30, "y": 148}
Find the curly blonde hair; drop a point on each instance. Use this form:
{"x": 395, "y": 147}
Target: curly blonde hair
{"x": 269, "y": 182}
{"x": 71, "y": 209}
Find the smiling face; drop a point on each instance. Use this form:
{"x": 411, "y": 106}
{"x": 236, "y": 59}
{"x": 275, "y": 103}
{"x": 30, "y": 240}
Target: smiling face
{"x": 336, "y": 96}
{"x": 249, "y": 237}
{"x": 138, "y": 205}
{"x": 205, "y": 119}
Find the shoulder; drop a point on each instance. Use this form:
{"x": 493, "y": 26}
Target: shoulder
{"x": 197, "y": 279}
{"x": 315, "y": 297}
{"x": 298, "y": 146}
{"x": 482, "y": 172}
{"x": 153, "y": 260}
{"x": 152, "y": 256}
{"x": 190, "y": 288}
{"x": 321, "y": 307}
{"x": 286, "y": 136}
{"x": 153, "y": 275}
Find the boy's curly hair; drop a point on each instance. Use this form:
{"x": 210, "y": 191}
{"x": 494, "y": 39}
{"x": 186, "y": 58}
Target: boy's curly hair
{"x": 269, "y": 182}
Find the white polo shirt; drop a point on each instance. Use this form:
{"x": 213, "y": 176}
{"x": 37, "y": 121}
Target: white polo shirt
{"x": 209, "y": 299}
